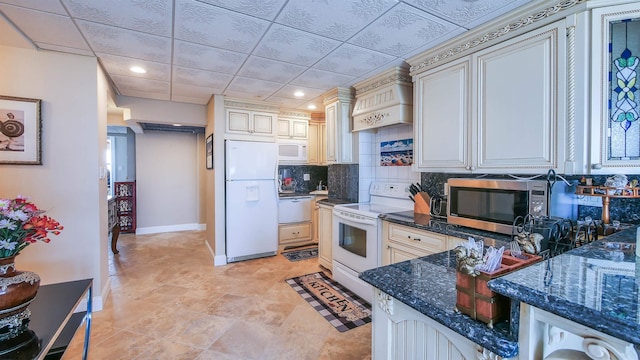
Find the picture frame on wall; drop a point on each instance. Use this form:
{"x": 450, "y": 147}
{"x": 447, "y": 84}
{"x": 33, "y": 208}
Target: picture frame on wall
{"x": 20, "y": 131}
{"x": 209, "y": 151}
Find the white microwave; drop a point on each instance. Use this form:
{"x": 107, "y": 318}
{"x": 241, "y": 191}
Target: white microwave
{"x": 292, "y": 152}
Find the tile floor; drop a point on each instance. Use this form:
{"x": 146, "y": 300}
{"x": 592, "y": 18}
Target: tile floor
{"x": 168, "y": 301}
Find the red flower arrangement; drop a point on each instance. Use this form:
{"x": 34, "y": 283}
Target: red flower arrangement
{"x": 22, "y": 224}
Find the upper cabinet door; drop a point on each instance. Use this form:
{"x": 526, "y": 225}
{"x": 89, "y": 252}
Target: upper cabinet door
{"x": 238, "y": 121}
{"x": 441, "y": 115}
{"x": 263, "y": 123}
{"x": 615, "y": 90}
{"x": 519, "y": 109}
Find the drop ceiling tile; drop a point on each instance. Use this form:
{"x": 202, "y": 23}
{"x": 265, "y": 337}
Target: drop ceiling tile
{"x": 336, "y": 19}
{"x": 129, "y": 83}
{"x": 209, "y": 25}
{"x": 202, "y": 78}
{"x": 146, "y": 94}
{"x": 402, "y": 30}
{"x": 192, "y": 91}
{"x": 200, "y": 100}
{"x": 294, "y": 46}
{"x": 253, "y": 86}
{"x": 64, "y": 49}
{"x": 264, "y": 9}
{"x": 467, "y": 13}
{"x": 353, "y": 60}
{"x": 120, "y": 65}
{"x": 116, "y": 41}
{"x": 287, "y": 93}
{"x": 46, "y": 6}
{"x": 270, "y": 70}
{"x": 286, "y": 102}
{"x": 47, "y": 28}
{"x": 322, "y": 80}
{"x": 207, "y": 58}
{"x": 148, "y": 16}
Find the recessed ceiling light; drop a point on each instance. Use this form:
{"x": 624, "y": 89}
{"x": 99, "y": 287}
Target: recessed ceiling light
{"x": 177, "y": 124}
{"x": 311, "y": 107}
{"x": 138, "y": 70}
{"x": 298, "y": 94}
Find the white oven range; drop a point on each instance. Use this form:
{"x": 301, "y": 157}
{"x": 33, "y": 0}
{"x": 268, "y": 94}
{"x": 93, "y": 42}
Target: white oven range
{"x": 357, "y": 234}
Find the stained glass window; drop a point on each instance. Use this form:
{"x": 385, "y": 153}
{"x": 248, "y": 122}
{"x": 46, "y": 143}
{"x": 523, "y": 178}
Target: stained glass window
{"x": 624, "y": 82}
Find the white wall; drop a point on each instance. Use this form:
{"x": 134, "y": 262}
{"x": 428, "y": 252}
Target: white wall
{"x": 167, "y": 182}
{"x": 67, "y": 185}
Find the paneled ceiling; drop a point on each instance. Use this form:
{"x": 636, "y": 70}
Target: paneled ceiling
{"x": 249, "y": 49}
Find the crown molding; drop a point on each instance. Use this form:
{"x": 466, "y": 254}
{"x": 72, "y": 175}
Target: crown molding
{"x": 498, "y": 30}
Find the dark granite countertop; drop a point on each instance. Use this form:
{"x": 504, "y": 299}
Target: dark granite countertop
{"x": 428, "y": 285}
{"x": 440, "y": 225}
{"x": 333, "y": 201}
{"x": 293, "y": 194}
{"x": 596, "y": 285}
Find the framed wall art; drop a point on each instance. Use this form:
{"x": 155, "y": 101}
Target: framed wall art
{"x": 209, "y": 153}
{"x": 20, "y": 131}
{"x": 396, "y": 153}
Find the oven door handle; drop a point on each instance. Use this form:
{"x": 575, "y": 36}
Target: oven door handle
{"x": 355, "y": 220}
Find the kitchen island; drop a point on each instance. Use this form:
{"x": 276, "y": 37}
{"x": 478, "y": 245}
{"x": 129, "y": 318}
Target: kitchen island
{"x": 427, "y": 286}
{"x": 584, "y": 301}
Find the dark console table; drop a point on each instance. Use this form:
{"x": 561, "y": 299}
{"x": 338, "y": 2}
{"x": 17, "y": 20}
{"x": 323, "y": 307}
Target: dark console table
{"x": 53, "y": 320}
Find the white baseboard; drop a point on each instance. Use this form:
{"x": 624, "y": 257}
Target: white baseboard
{"x": 170, "y": 228}
{"x": 217, "y": 260}
{"x": 97, "y": 302}
{"x": 220, "y": 260}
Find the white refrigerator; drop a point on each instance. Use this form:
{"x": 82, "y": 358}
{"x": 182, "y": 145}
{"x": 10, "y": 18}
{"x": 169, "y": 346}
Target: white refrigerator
{"x": 251, "y": 199}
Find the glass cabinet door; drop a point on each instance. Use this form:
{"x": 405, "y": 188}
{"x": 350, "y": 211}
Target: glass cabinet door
{"x": 616, "y": 89}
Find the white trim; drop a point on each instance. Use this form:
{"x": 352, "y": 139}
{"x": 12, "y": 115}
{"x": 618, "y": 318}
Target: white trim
{"x": 170, "y": 228}
{"x": 217, "y": 260}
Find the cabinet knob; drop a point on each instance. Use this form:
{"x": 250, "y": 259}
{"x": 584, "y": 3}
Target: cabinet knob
{"x": 596, "y": 166}
{"x": 473, "y": 168}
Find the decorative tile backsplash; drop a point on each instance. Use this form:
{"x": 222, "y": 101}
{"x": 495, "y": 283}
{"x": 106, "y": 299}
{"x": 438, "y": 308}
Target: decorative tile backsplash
{"x": 296, "y": 172}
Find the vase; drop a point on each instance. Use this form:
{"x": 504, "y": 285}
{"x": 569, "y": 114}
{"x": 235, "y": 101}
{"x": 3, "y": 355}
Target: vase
{"x": 17, "y": 291}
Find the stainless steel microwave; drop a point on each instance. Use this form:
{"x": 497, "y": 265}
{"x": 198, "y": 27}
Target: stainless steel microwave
{"x": 292, "y": 152}
{"x": 494, "y": 204}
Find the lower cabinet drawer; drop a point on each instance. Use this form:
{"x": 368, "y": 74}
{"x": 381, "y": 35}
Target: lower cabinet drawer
{"x": 424, "y": 240}
{"x": 294, "y": 232}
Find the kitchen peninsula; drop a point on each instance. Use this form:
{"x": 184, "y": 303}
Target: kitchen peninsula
{"x": 585, "y": 301}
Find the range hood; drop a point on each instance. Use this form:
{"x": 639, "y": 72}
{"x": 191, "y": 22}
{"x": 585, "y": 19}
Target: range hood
{"x": 384, "y": 100}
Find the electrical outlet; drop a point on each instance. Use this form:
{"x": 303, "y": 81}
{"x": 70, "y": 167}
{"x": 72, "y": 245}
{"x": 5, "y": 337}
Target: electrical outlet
{"x": 306, "y": 177}
{"x": 589, "y": 200}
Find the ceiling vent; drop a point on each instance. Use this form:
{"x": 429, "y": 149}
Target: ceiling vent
{"x": 172, "y": 128}
{"x": 384, "y": 100}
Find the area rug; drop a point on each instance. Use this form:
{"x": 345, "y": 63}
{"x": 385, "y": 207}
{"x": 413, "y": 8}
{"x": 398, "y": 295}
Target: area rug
{"x": 342, "y": 308}
{"x": 302, "y": 254}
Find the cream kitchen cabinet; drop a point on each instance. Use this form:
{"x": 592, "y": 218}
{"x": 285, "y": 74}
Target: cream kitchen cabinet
{"x": 400, "y": 243}
{"x": 500, "y": 109}
{"x": 317, "y": 144}
{"x": 250, "y": 123}
{"x": 325, "y": 231}
{"x": 400, "y": 332}
{"x": 342, "y": 143}
{"x": 315, "y": 215}
{"x": 615, "y": 127}
{"x": 293, "y": 128}
{"x": 292, "y": 233}
{"x": 443, "y": 124}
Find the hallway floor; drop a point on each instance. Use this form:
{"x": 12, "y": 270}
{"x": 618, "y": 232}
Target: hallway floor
{"x": 168, "y": 301}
